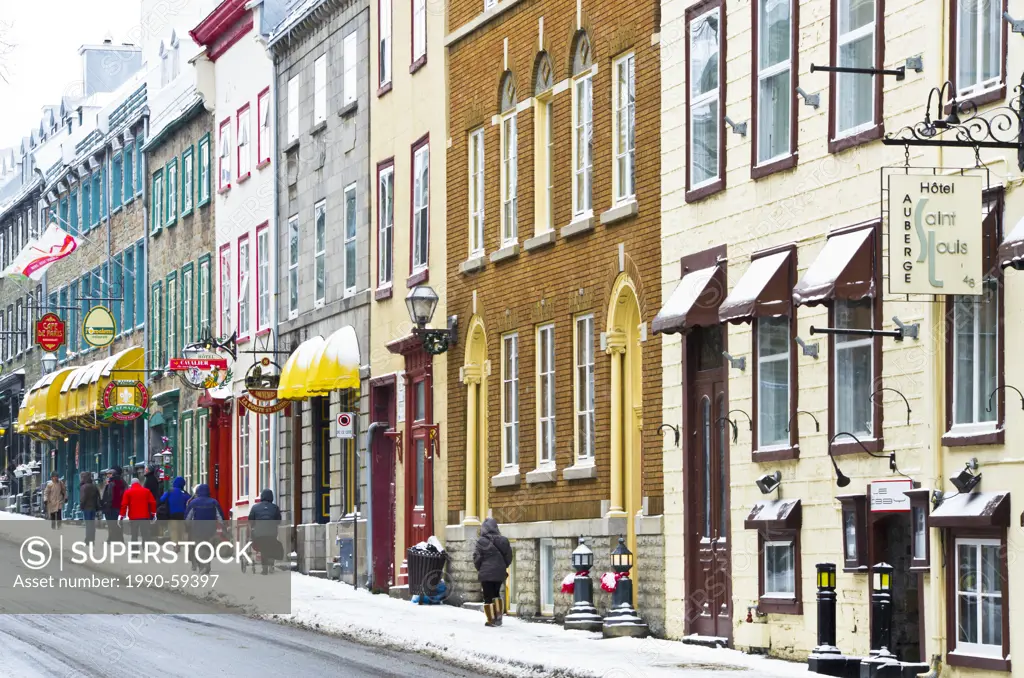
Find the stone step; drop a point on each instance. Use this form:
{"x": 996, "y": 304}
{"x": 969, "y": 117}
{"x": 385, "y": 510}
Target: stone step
{"x": 705, "y": 641}
{"x": 401, "y": 592}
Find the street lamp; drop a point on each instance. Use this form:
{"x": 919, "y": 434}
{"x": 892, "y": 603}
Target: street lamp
{"x": 826, "y": 657}
{"x": 49, "y": 363}
{"x": 583, "y": 616}
{"x": 881, "y": 603}
{"x": 421, "y": 303}
{"x": 622, "y": 619}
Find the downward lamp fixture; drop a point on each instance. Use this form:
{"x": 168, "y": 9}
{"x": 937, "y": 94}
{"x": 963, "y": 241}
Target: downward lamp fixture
{"x": 967, "y": 480}
{"x": 769, "y": 482}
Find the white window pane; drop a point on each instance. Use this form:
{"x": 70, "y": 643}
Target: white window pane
{"x": 773, "y": 380}
{"x": 704, "y": 48}
{"x": 779, "y": 568}
{"x": 704, "y": 143}
{"x": 774, "y": 35}
{"x": 773, "y": 112}
{"x": 856, "y": 91}
{"x": 854, "y": 14}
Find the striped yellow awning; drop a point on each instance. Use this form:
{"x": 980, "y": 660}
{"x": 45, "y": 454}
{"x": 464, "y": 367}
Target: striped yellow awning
{"x": 126, "y": 365}
{"x": 40, "y": 409}
{"x": 295, "y": 375}
{"x": 336, "y": 366}
{"x": 80, "y": 399}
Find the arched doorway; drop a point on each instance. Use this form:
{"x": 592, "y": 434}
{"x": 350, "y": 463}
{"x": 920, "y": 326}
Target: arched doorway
{"x": 626, "y": 397}
{"x": 474, "y": 376}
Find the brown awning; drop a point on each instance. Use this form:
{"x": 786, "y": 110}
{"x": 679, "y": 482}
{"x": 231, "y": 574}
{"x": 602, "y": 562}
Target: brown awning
{"x": 844, "y": 269}
{"x": 694, "y": 302}
{"x": 978, "y": 509}
{"x": 1011, "y": 250}
{"x": 774, "y": 514}
{"x": 762, "y": 291}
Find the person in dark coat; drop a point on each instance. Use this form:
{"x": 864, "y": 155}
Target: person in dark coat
{"x": 89, "y": 502}
{"x": 202, "y": 518}
{"x": 265, "y": 517}
{"x": 492, "y": 557}
{"x": 113, "y": 493}
{"x": 153, "y": 484}
{"x": 175, "y": 500}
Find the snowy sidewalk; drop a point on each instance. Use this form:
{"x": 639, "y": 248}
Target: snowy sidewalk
{"x": 518, "y": 648}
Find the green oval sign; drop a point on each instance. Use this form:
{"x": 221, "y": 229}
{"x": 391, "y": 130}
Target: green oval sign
{"x": 99, "y": 328}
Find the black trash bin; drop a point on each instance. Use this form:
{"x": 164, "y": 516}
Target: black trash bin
{"x": 426, "y": 570}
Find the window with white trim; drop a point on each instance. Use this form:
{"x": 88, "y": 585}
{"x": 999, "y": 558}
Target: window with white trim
{"x": 293, "y": 266}
{"x": 226, "y": 283}
{"x": 243, "y": 455}
{"x": 384, "y": 43}
{"x": 774, "y": 79}
{"x": 263, "y": 452}
{"x": 320, "y": 252}
{"x": 854, "y": 368}
{"x": 263, "y": 278}
{"x": 584, "y": 391}
{"x": 320, "y": 89}
{"x": 224, "y": 157}
{"x": 244, "y": 264}
{"x": 420, "y": 208}
{"x": 547, "y": 577}
{"x": 779, "y": 569}
{"x": 293, "y": 109}
{"x": 476, "y": 193}
{"x": 624, "y": 134}
{"x": 510, "y": 400}
{"x": 350, "y": 239}
{"x": 979, "y": 47}
{"x": 546, "y": 394}
{"x": 855, "y": 94}
{"x": 772, "y": 381}
{"x": 187, "y": 441}
{"x": 583, "y": 128}
{"x": 187, "y": 310}
{"x": 705, "y": 36}
{"x": 509, "y": 180}
{"x": 544, "y": 171}
{"x": 979, "y": 597}
{"x": 350, "y": 75}
{"x": 244, "y": 157}
{"x": 975, "y": 356}
{"x": 263, "y": 113}
{"x": 419, "y": 29}
{"x": 385, "y": 225}
{"x": 171, "y": 191}
{"x": 202, "y": 444}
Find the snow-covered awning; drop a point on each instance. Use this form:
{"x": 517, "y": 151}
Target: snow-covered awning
{"x": 844, "y": 269}
{"x": 978, "y": 509}
{"x": 774, "y": 514}
{"x": 694, "y": 302}
{"x": 764, "y": 290}
{"x": 1011, "y": 251}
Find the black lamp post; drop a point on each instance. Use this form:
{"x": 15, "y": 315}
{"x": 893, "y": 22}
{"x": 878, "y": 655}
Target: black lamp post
{"x": 826, "y": 658}
{"x": 583, "y": 616}
{"x": 622, "y": 619}
{"x": 881, "y": 609}
{"x": 421, "y": 303}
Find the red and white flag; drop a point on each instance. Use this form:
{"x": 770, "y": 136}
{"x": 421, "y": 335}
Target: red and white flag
{"x": 53, "y": 245}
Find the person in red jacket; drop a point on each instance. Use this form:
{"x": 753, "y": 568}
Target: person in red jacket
{"x": 139, "y": 506}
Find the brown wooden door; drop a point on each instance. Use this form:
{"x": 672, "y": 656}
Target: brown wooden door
{"x": 382, "y": 460}
{"x": 419, "y": 465}
{"x": 709, "y": 589}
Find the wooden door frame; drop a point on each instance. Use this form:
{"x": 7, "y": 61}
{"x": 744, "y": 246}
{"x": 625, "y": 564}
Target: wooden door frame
{"x": 418, "y": 368}
{"x": 388, "y": 383}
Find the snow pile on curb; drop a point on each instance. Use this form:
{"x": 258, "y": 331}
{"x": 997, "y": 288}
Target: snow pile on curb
{"x": 4, "y": 515}
{"x": 518, "y": 648}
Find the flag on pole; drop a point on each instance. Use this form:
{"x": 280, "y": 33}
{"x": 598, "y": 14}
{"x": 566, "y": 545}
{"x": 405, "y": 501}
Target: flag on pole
{"x": 53, "y": 245}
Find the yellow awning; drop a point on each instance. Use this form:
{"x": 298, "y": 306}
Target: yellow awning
{"x": 294, "y": 383}
{"x": 336, "y": 365}
{"x": 40, "y": 410}
{"x": 68, "y": 409}
{"x": 127, "y": 365}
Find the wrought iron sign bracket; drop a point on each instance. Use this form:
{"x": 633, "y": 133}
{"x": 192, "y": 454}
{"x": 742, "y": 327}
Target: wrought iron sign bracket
{"x": 914, "y": 63}
{"x": 902, "y": 330}
{"x": 674, "y": 429}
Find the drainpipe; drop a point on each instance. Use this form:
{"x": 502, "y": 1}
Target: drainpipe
{"x": 370, "y": 430}
{"x": 145, "y": 250}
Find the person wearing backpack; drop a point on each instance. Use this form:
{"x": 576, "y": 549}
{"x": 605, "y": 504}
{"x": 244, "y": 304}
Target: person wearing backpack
{"x": 203, "y": 517}
{"x": 110, "y": 504}
{"x": 174, "y": 502}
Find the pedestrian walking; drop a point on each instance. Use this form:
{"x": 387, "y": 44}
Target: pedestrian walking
{"x": 175, "y": 500}
{"x": 55, "y": 496}
{"x": 492, "y": 557}
{"x": 153, "y": 483}
{"x": 139, "y": 506}
{"x": 202, "y": 517}
{"x": 89, "y": 502}
{"x": 265, "y": 518}
{"x": 113, "y": 493}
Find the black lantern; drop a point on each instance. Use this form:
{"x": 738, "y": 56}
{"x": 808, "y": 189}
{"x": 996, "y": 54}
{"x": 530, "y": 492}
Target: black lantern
{"x": 622, "y": 557}
{"x": 826, "y": 658}
{"x": 881, "y": 610}
{"x": 826, "y": 576}
{"x": 582, "y": 557}
{"x": 422, "y": 302}
{"x": 881, "y": 578}
{"x": 967, "y": 480}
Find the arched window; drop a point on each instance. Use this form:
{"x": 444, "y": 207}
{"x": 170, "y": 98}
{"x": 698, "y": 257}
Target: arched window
{"x": 543, "y": 74}
{"x": 507, "y": 95}
{"x": 582, "y": 59}
{"x": 544, "y": 143}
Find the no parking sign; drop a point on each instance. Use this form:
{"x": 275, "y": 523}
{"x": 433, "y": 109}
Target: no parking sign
{"x": 346, "y": 426}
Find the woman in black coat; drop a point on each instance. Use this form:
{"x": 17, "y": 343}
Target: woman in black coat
{"x": 491, "y": 557}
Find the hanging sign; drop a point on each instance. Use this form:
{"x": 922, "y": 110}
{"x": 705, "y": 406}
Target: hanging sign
{"x": 887, "y": 496}
{"x": 99, "y": 328}
{"x": 346, "y": 429}
{"x": 125, "y": 400}
{"x": 935, "y": 234}
{"x": 201, "y": 368}
{"x": 258, "y": 406}
{"x": 50, "y": 332}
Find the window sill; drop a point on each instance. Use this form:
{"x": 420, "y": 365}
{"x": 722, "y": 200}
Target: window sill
{"x": 116, "y": 210}
{"x": 547, "y": 474}
{"x": 975, "y": 662}
{"x": 759, "y": 171}
{"x": 290, "y": 146}
{"x": 473, "y": 265}
{"x": 348, "y": 109}
{"x": 580, "y": 472}
{"x": 990, "y": 436}
{"x": 264, "y": 332}
{"x": 786, "y": 453}
{"x": 244, "y": 177}
{"x": 263, "y": 163}
{"x": 981, "y": 98}
{"x": 705, "y": 191}
{"x": 850, "y": 447}
{"x": 383, "y": 293}
{"x": 171, "y": 224}
{"x": 242, "y": 340}
{"x": 539, "y": 241}
{"x": 507, "y": 478}
{"x": 418, "y": 64}
{"x": 506, "y": 252}
{"x": 860, "y": 569}
{"x": 780, "y": 605}
{"x": 853, "y": 140}
{"x": 223, "y": 189}
{"x": 186, "y": 213}
{"x": 384, "y": 89}
{"x": 317, "y": 128}
{"x": 578, "y": 226}
{"x": 626, "y": 210}
{"x": 417, "y": 278}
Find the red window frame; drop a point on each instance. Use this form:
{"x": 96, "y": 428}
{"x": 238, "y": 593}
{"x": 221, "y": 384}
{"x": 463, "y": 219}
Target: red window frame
{"x": 221, "y": 186}
{"x": 226, "y": 247}
{"x": 261, "y": 322}
{"x": 419, "y": 277}
{"x": 263, "y": 154}
{"x": 243, "y": 333}
{"x": 387, "y": 292}
{"x": 238, "y": 145}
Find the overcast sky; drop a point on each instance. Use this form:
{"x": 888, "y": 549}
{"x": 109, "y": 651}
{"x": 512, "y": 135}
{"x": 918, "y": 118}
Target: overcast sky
{"x": 44, "y": 63}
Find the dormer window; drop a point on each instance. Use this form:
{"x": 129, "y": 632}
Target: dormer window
{"x": 175, "y": 55}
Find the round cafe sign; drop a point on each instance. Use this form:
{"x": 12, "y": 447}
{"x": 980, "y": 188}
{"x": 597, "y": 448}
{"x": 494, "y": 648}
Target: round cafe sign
{"x": 99, "y": 328}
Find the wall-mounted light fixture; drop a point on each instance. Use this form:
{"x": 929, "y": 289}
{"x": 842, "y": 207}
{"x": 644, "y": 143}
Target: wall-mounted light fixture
{"x": 817, "y": 426}
{"x": 967, "y": 480}
{"x": 1004, "y": 386}
{"x": 674, "y": 429}
{"x": 900, "y": 394}
{"x": 769, "y": 482}
{"x": 421, "y": 303}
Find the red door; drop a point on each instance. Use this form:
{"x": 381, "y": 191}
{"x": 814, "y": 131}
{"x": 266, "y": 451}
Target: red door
{"x": 709, "y": 589}
{"x": 382, "y": 460}
{"x": 419, "y": 460}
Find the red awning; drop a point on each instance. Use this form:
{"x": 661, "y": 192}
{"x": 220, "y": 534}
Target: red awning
{"x": 694, "y": 302}
{"x": 764, "y": 290}
{"x": 978, "y": 509}
{"x": 844, "y": 269}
